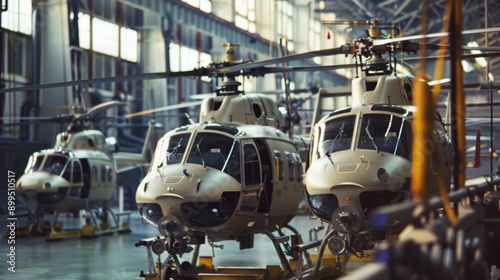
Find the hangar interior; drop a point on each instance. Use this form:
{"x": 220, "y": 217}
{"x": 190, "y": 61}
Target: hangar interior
{"x": 51, "y": 41}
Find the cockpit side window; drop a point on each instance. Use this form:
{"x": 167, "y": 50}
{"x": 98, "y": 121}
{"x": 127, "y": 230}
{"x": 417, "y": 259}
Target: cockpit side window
{"x": 77, "y": 172}
{"x": 280, "y": 173}
{"x": 252, "y": 165}
{"x": 291, "y": 166}
{"x": 385, "y": 133}
{"x": 338, "y": 134}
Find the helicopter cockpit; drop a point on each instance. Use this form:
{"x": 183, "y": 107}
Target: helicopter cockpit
{"x": 379, "y": 131}
{"x": 208, "y": 149}
{"x": 56, "y": 164}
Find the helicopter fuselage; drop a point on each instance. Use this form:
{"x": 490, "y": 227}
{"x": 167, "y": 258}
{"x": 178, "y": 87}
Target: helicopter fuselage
{"x": 361, "y": 156}
{"x": 76, "y": 174}
{"x": 225, "y": 180}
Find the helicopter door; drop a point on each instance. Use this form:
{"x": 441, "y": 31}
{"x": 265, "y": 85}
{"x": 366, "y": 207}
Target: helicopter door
{"x": 252, "y": 183}
{"x": 76, "y": 178}
{"x": 86, "y": 176}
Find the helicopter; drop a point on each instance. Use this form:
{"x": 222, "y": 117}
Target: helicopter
{"x": 361, "y": 156}
{"x": 78, "y": 173}
{"x": 228, "y": 177}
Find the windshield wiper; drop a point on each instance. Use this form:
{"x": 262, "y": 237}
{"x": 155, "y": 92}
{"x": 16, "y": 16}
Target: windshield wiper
{"x": 370, "y": 136}
{"x": 229, "y": 156}
{"x": 340, "y": 134}
{"x": 175, "y": 150}
{"x": 199, "y": 151}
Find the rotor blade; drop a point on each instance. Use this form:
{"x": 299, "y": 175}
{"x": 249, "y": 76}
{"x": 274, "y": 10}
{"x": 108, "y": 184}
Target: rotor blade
{"x": 147, "y": 76}
{"x": 278, "y": 69}
{"x": 433, "y": 35}
{"x": 33, "y": 119}
{"x": 102, "y": 107}
{"x": 465, "y": 48}
{"x": 293, "y": 57}
{"x": 165, "y": 108}
{"x": 464, "y": 56}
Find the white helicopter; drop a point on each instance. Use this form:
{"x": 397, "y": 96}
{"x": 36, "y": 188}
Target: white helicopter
{"x": 361, "y": 156}
{"x": 228, "y": 177}
{"x": 79, "y": 173}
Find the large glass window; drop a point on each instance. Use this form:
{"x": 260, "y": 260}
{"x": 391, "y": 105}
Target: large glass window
{"x": 385, "y": 133}
{"x": 183, "y": 58}
{"x": 105, "y": 37}
{"x": 18, "y": 16}
{"x": 204, "y": 5}
{"x": 217, "y": 151}
{"x": 315, "y": 38}
{"x": 84, "y": 30}
{"x": 128, "y": 44}
{"x": 284, "y": 22}
{"x": 245, "y": 14}
{"x": 338, "y": 134}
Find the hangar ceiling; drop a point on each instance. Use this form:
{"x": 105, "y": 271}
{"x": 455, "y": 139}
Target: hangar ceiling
{"x": 408, "y": 14}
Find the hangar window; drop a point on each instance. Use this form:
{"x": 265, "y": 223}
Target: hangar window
{"x": 204, "y": 5}
{"x": 284, "y": 22}
{"x": 128, "y": 44}
{"x": 18, "y": 16}
{"x": 315, "y": 38}
{"x": 105, "y": 37}
{"x": 191, "y": 58}
{"x": 84, "y": 30}
{"x": 245, "y": 14}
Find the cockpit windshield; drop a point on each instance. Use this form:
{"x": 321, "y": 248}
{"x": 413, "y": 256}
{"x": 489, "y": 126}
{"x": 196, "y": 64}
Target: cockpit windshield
{"x": 54, "y": 164}
{"x": 385, "y": 133}
{"x": 216, "y": 151}
{"x": 338, "y": 134}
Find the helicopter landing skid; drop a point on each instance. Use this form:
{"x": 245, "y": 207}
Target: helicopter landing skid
{"x": 119, "y": 224}
{"x": 301, "y": 265}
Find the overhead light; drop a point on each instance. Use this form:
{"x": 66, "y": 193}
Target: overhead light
{"x": 322, "y": 5}
{"x": 481, "y": 61}
{"x": 468, "y": 67}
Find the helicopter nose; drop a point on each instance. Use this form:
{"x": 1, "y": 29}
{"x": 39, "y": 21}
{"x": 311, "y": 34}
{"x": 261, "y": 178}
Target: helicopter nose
{"x": 192, "y": 193}
{"x": 43, "y": 187}
{"x": 339, "y": 181}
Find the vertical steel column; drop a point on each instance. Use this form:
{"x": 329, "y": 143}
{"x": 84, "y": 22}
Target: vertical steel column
{"x": 457, "y": 97}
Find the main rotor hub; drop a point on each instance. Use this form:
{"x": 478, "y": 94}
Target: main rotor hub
{"x": 229, "y": 87}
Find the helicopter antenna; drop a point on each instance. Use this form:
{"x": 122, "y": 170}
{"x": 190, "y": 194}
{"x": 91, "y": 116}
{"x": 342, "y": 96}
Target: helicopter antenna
{"x": 189, "y": 118}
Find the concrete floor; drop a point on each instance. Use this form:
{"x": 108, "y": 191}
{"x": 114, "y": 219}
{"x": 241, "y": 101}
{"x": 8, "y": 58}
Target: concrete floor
{"x": 116, "y": 257}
